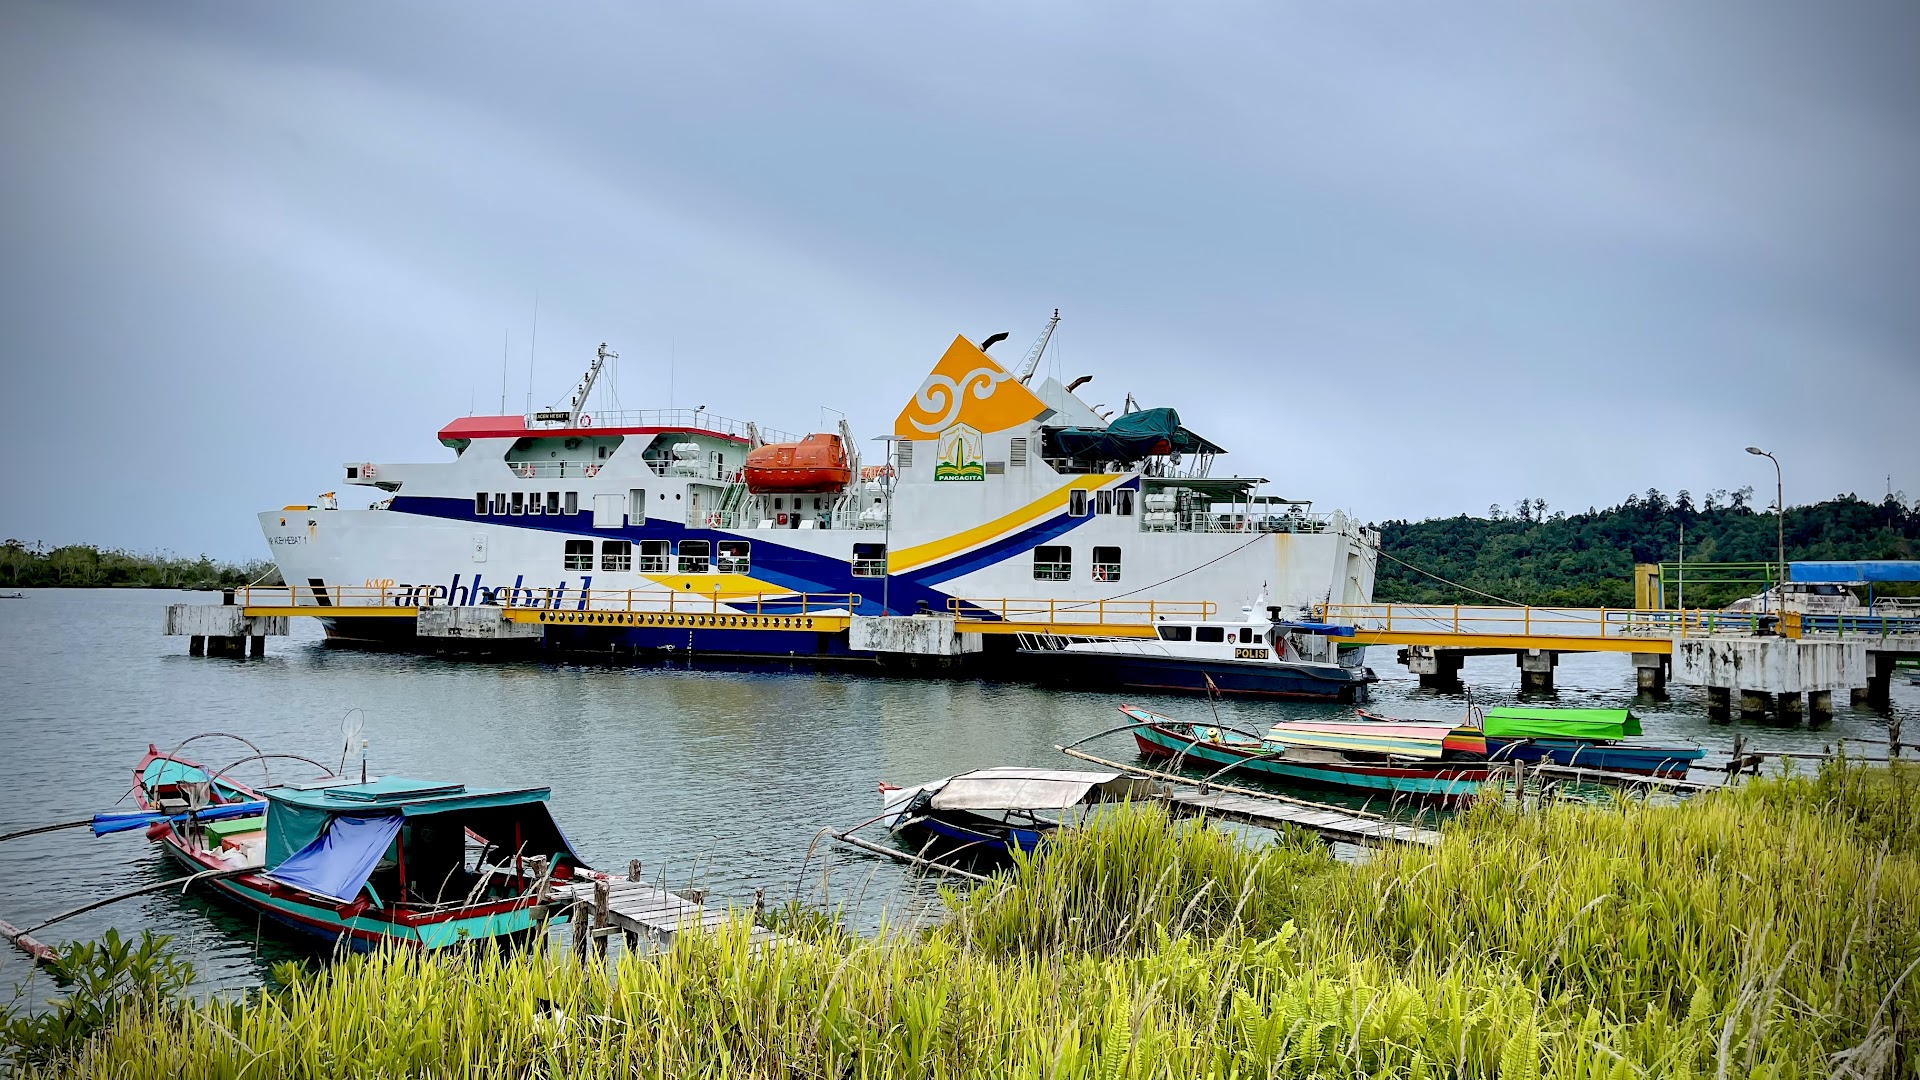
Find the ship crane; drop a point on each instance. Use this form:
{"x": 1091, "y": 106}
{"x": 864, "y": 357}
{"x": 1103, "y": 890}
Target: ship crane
{"x": 1039, "y": 346}
{"x": 580, "y": 395}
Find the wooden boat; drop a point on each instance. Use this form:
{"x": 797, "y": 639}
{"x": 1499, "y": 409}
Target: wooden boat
{"x": 1577, "y": 738}
{"x": 988, "y": 814}
{"x": 387, "y": 861}
{"x": 1414, "y": 763}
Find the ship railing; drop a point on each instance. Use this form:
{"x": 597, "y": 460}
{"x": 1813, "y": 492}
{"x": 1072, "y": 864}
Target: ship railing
{"x": 1064, "y": 612}
{"x": 688, "y": 419}
{"x": 1207, "y": 521}
{"x": 648, "y": 601}
{"x": 1470, "y": 620}
{"x": 553, "y": 470}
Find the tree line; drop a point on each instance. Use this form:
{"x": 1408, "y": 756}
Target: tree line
{"x": 1527, "y": 555}
{"x": 81, "y": 566}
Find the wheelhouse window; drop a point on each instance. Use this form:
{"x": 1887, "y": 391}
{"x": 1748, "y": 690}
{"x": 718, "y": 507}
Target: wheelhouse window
{"x": 693, "y": 556}
{"x": 1246, "y": 635}
{"x": 653, "y": 556}
{"x": 1053, "y": 562}
{"x": 1106, "y": 564}
{"x": 572, "y": 505}
{"x": 1077, "y": 502}
{"x": 482, "y": 502}
{"x": 735, "y": 557}
{"x": 519, "y": 504}
{"x": 1213, "y": 634}
{"x": 870, "y": 560}
{"x": 1176, "y": 633}
{"x": 579, "y": 555}
{"x": 553, "y": 502}
{"x": 616, "y": 555}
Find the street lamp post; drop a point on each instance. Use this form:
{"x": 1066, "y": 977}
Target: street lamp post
{"x": 886, "y": 536}
{"x": 1780, "y": 508}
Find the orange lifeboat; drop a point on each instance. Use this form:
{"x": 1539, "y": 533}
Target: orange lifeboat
{"x": 814, "y": 464}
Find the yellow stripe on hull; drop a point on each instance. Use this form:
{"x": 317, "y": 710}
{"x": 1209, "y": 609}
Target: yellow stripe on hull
{"x": 935, "y": 550}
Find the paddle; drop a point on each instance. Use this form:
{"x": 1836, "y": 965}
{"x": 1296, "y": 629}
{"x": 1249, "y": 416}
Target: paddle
{"x": 134, "y": 819}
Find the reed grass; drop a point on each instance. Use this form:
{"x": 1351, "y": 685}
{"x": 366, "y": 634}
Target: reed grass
{"x": 1770, "y": 931}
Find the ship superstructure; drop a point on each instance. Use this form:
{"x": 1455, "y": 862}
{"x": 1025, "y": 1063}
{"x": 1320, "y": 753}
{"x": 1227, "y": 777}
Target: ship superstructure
{"x": 985, "y": 488}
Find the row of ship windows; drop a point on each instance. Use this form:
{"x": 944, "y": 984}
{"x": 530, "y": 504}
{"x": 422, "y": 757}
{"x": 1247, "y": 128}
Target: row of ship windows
{"x": 1247, "y": 635}
{"x": 1106, "y": 501}
{"x": 525, "y": 502}
{"x": 1051, "y": 562}
{"x": 1054, "y": 562}
{"x": 656, "y": 557}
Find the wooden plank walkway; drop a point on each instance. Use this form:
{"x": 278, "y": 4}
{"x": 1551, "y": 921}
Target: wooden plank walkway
{"x": 640, "y": 910}
{"x": 1330, "y": 822}
{"x": 1269, "y": 811}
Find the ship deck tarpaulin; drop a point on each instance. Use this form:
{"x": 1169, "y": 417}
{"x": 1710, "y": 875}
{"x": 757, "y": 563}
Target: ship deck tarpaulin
{"x": 1129, "y": 437}
{"x": 1866, "y": 572}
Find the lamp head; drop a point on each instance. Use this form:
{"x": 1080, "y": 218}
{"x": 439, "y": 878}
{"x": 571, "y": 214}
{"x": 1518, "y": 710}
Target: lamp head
{"x": 1756, "y": 450}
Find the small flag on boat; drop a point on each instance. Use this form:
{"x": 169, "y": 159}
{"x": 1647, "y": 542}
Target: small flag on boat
{"x": 1211, "y": 689}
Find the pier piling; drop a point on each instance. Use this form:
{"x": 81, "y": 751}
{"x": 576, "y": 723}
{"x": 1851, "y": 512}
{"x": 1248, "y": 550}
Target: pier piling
{"x": 1536, "y": 668}
{"x": 1650, "y": 673}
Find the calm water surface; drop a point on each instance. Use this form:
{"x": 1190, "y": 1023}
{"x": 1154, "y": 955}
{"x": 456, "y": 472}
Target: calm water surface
{"x": 718, "y": 778}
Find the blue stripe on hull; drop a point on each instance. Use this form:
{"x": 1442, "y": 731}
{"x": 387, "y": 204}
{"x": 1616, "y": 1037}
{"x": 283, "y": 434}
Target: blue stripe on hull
{"x": 1646, "y": 759}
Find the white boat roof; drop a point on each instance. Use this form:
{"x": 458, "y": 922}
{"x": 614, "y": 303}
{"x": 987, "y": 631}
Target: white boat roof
{"x": 1013, "y": 788}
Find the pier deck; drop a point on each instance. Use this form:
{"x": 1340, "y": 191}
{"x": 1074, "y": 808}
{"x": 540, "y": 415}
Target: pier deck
{"x": 1332, "y": 822}
{"x": 641, "y": 909}
{"x": 1271, "y": 811}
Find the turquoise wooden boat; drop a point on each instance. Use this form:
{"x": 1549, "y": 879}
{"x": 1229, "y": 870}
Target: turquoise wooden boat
{"x": 390, "y": 861}
{"x": 1437, "y": 781}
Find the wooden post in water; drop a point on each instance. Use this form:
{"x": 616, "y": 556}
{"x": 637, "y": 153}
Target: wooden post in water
{"x": 633, "y": 936}
{"x": 759, "y": 904}
{"x": 1893, "y": 736}
{"x": 602, "y": 901}
{"x": 633, "y": 869}
{"x": 1734, "y": 767}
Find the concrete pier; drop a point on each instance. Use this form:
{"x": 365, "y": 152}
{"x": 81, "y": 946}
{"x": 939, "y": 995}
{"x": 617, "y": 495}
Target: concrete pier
{"x": 1878, "y": 691}
{"x": 1820, "y": 706}
{"x": 1770, "y": 674}
{"x": 223, "y": 629}
{"x": 1650, "y": 673}
{"x": 1438, "y": 669}
{"x": 1536, "y": 668}
{"x": 911, "y": 636}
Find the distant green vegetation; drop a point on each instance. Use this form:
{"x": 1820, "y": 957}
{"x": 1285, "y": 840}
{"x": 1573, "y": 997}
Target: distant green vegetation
{"x": 1769, "y": 930}
{"x": 83, "y": 566}
{"x": 1529, "y": 556}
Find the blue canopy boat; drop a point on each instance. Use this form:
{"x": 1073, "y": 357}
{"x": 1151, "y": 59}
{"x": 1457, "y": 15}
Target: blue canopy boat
{"x": 408, "y": 862}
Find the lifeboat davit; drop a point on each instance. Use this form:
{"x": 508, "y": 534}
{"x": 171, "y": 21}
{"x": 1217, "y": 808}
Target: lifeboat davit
{"x": 814, "y": 464}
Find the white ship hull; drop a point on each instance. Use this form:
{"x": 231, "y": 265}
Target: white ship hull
{"x": 649, "y": 511}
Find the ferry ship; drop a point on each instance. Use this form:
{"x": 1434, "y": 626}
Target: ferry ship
{"x": 987, "y": 487}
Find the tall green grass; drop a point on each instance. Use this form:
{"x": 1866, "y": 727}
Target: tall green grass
{"x": 1766, "y": 932}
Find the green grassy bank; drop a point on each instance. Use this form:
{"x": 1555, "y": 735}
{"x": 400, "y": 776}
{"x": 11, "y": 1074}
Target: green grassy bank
{"x": 1770, "y": 931}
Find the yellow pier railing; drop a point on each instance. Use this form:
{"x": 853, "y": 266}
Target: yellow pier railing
{"x": 773, "y": 611}
{"x": 1555, "y": 628}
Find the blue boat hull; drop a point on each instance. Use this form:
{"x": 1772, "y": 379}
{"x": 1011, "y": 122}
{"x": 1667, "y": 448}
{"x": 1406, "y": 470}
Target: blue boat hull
{"x": 1613, "y": 757}
{"x": 1116, "y": 671}
{"x": 1443, "y": 784}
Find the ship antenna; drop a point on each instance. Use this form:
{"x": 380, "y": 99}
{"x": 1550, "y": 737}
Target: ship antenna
{"x": 505, "y": 339}
{"x": 531, "y": 345}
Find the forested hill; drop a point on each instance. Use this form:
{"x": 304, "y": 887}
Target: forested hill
{"x": 1526, "y": 555}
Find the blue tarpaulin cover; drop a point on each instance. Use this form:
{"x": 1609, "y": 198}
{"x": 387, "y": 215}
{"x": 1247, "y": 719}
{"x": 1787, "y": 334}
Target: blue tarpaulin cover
{"x": 337, "y": 863}
{"x": 1877, "y": 570}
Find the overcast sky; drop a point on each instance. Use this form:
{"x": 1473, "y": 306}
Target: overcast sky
{"x": 1403, "y": 258}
